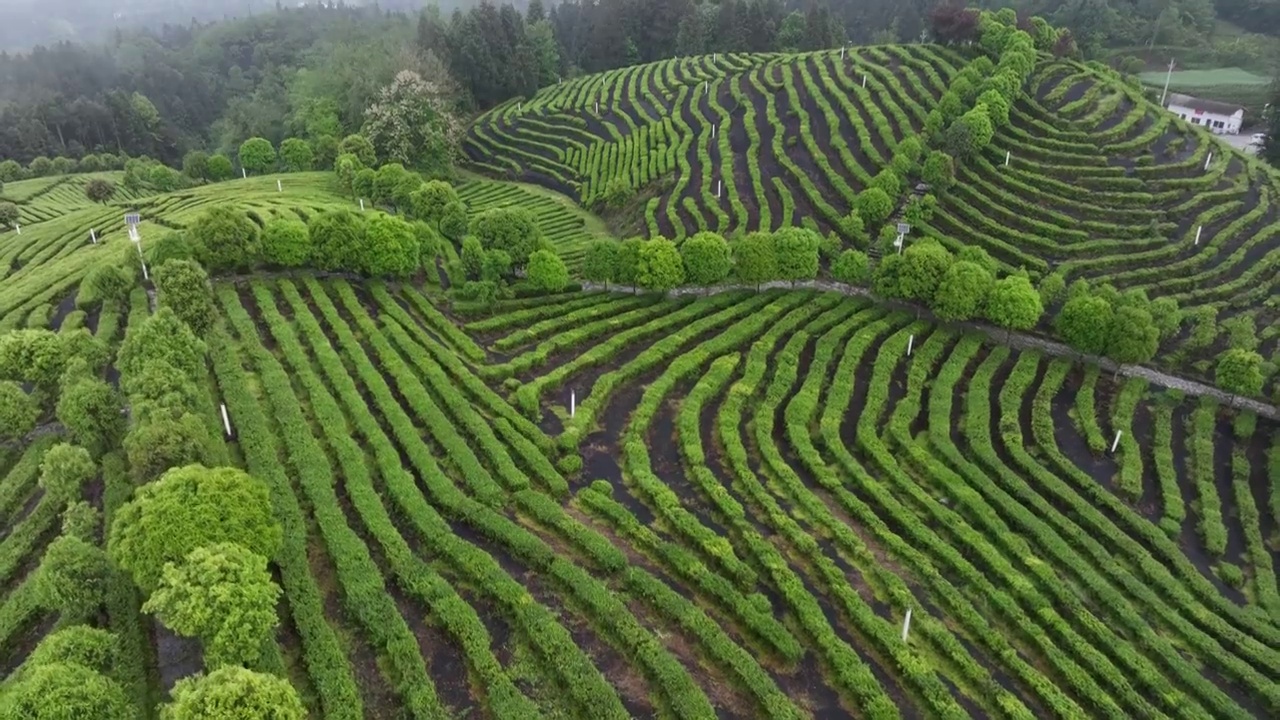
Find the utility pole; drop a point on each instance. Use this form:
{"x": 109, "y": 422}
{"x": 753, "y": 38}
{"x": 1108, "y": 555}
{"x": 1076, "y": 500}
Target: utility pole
{"x": 1168, "y": 76}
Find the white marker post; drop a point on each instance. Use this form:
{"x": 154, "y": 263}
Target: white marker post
{"x": 17, "y": 228}
{"x": 713, "y": 131}
{"x": 842, "y": 49}
{"x": 573, "y": 403}
{"x": 279, "y": 186}
{"x": 597, "y": 107}
{"x": 93, "y": 236}
{"x": 1207, "y": 161}
{"x": 718, "y": 184}
{"x": 906, "y": 625}
{"x": 520, "y": 107}
{"x": 864, "y": 79}
{"x": 361, "y": 204}
{"x": 244, "y": 174}
{"x": 1006, "y": 158}
{"x": 1116, "y": 443}
{"x": 226, "y": 421}
{"x": 706, "y": 86}
{"x": 1199, "y": 230}
{"x": 911, "y": 343}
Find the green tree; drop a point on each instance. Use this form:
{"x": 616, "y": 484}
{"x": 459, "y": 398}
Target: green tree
{"x": 755, "y": 259}
{"x": 337, "y": 240}
{"x": 40, "y": 167}
{"x": 511, "y": 229}
{"x": 472, "y": 257}
{"x": 222, "y": 594}
{"x": 873, "y": 205}
{"x": 162, "y": 336}
{"x": 359, "y": 146}
{"x": 391, "y": 249}
{"x": 81, "y": 645}
{"x": 1014, "y": 304}
{"x": 173, "y": 245}
{"x": 10, "y": 170}
{"x": 73, "y": 577}
{"x": 324, "y": 150}
{"x": 547, "y": 272}
{"x": 9, "y": 215}
{"x": 99, "y": 190}
{"x": 187, "y": 508}
{"x": 853, "y": 267}
{"x": 707, "y": 258}
{"x": 108, "y": 283}
{"x": 628, "y": 272}
{"x": 600, "y": 264}
{"x": 796, "y": 250}
{"x": 1239, "y": 372}
{"x": 64, "y": 470}
{"x": 346, "y": 167}
{"x": 233, "y": 693}
{"x": 195, "y": 165}
{"x": 296, "y": 155}
{"x": 963, "y": 292}
{"x": 363, "y": 184}
{"x": 887, "y": 279}
{"x": 925, "y": 263}
{"x": 65, "y": 691}
{"x": 173, "y": 437}
{"x": 18, "y": 411}
{"x": 228, "y": 237}
{"x": 286, "y": 243}
{"x": 660, "y": 268}
{"x": 40, "y": 356}
{"x": 81, "y": 520}
{"x": 454, "y": 221}
{"x": 1167, "y": 316}
{"x": 1132, "y": 336}
{"x": 183, "y": 286}
{"x": 888, "y": 181}
{"x": 257, "y": 155}
{"x": 1084, "y": 322}
{"x": 410, "y": 123}
{"x": 219, "y": 168}
{"x": 429, "y": 201}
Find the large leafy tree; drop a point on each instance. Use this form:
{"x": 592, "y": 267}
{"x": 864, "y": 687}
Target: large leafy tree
{"x": 410, "y": 122}
{"x": 963, "y": 292}
{"x": 510, "y": 229}
{"x": 429, "y": 201}
{"x": 1132, "y": 335}
{"x": 286, "y": 243}
{"x": 222, "y": 594}
{"x": 707, "y": 258}
{"x": 73, "y": 577}
{"x": 64, "y": 470}
{"x": 337, "y": 240}
{"x": 65, "y": 691}
{"x": 89, "y": 409}
{"x": 18, "y": 411}
{"x": 233, "y": 693}
{"x": 1014, "y": 304}
{"x": 600, "y": 264}
{"x": 797, "y": 252}
{"x": 925, "y": 263}
{"x": 297, "y": 155}
{"x": 187, "y": 508}
{"x": 82, "y": 645}
{"x": 1239, "y": 372}
{"x": 183, "y": 286}
{"x": 547, "y": 272}
{"x": 755, "y": 259}
{"x": 660, "y": 268}
{"x": 391, "y": 247}
{"x": 163, "y": 336}
{"x": 228, "y": 239}
{"x": 1084, "y": 322}
{"x": 257, "y": 155}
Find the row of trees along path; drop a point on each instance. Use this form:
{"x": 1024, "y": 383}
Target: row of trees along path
{"x": 1019, "y": 340}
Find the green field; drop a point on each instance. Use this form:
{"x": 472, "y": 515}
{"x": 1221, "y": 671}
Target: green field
{"x": 1217, "y": 76}
{"x": 612, "y": 504}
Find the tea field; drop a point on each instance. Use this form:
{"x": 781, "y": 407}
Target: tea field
{"x": 788, "y": 503}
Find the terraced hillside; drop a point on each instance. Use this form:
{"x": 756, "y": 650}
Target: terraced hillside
{"x": 750, "y": 492}
{"x": 1099, "y": 183}
{"x": 49, "y": 198}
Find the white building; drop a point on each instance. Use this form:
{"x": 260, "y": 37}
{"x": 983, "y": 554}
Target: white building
{"x": 1219, "y": 117}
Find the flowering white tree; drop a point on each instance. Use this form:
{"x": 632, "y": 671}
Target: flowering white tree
{"x": 411, "y": 122}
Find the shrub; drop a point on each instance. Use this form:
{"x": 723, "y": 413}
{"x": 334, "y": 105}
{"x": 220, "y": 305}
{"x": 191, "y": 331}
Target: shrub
{"x": 360, "y": 147}
{"x": 18, "y": 411}
{"x": 852, "y": 227}
{"x": 1084, "y": 322}
{"x": 219, "y": 168}
{"x": 162, "y": 336}
{"x": 600, "y": 263}
{"x": 874, "y": 205}
{"x": 546, "y": 271}
{"x": 337, "y": 240}
{"x": 99, "y": 190}
{"x": 618, "y": 192}
{"x": 257, "y": 154}
{"x": 628, "y": 267}
{"x": 661, "y": 267}
{"x": 390, "y": 247}
{"x": 472, "y": 257}
{"x": 81, "y": 645}
{"x": 222, "y": 594}
{"x": 227, "y": 238}
{"x": 363, "y": 182}
{"x": 8, "y": 214}
{"x": 187, "y": 508}
{"x": 754, "y": 258}
{"x": 796, "y": 250}
{"x": 73, "y": 577}
{"x": 233, "y": 693}
{"x": 707, "y": 259}
{"x": 963, "y": 292}
{"x": 514, "y": 230}
{"x": 1239, "y": 372}
{"x": 195, "y": 165}
{"x": 925, "y": 262}
{"x": 64, "y": 470}
{"x": 429, "y": 201}
{"x": 183, "y": 286}
{"x": 296, "y": 154}
{"x": 852, "y": 267}
{"x": 170, "y": 437}
{"x": 57, "y": 691}
{"x": 173, "y": 245}
{"x": 286, "y": 243}
{"x": 939, "y": 170}
{"x": 1132, "y": 335}
{"x": 347, "y": 167}
{"x": 888, "y": 181}
{"x": 81, "y": 520}
{"x": 108, "y": 283}
{"x": 454, "y": 220}
{"x": 1052, "y": 288}
{"x": 90, "y": 410}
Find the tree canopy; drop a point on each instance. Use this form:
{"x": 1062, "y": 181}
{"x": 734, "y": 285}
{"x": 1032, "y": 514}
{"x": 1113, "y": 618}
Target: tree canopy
{"x": 233, "y": 693}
